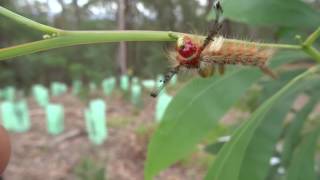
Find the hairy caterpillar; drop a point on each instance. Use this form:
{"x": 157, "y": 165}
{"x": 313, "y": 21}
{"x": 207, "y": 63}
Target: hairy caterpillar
{"x": 204, "y": 55}
{"x": 217, "y": 54}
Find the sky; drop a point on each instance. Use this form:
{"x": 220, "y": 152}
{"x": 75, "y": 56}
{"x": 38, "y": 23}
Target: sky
{"x": 56, "y": 8}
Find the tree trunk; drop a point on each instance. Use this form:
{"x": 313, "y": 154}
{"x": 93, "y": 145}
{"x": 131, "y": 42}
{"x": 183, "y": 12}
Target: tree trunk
{"x": 77, "y": 13}
{"x": 209, "y": 6}
{"x": 122, "y": 49}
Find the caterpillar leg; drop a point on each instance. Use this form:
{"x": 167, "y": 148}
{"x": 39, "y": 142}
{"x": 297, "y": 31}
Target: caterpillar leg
{"x": 214, "y": 27}
{"x": 206, "y": 69}
{"x": 221, "y": 69}
{"x": 268, "y": 71}
{"x": 165, "y": 81}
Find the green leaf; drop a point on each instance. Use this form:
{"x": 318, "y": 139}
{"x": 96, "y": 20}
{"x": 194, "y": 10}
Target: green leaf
{"x": 289, "y": 13}
{"x": 256, "y": 160}
{"x": 192, "y": 114}
{"x": 195, "y": 110}
{"x": 271, "y": 87}
{"x": 302, "y": 165}
{"x": 292, "y": 135}
{"x": 229, "y": 162}
{"x": 214, "y": 148}
{"x": 287, "y": 56}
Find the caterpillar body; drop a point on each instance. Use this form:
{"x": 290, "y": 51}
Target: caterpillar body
{"x": 204, "y": 55}
{"x": 217, "y": 54}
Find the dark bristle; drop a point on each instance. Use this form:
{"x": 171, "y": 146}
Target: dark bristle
{"x": 153, "y": 94}
{"x": 217, "y": 6}
{"x": 165, "y": 81}
{"x": 268, "y": 71}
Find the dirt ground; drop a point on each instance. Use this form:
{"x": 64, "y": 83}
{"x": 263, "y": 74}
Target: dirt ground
{"x": 37, "y": 155}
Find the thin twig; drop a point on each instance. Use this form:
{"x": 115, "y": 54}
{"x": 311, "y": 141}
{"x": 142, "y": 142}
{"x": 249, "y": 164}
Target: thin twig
{"x": 28, "y": 22}
{"x": 312, "y": 38}
{"x": 57, "y": 38}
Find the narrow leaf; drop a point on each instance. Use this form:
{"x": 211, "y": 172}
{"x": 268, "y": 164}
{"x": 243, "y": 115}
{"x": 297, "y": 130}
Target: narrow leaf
{"x": 256, "y": 160}
{"x": 302, "y": 165}
{"x": 271, "y": 87}
{"x": 288, "y": 13}
{"x": 192, "y": 114}
{"x": 230, "y": 158}
{"x": 256, "y": 163}
{"x": 293, "y": 133}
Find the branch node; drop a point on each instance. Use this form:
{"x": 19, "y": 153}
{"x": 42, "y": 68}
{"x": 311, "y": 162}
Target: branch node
{"x": 312, "y": 38}
{"x": 173, "y": 35}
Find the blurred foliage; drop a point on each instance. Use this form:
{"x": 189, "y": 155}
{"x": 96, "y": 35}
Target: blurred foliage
{"x": 89, "y": 169}
{"x": 285, "y": 13}
{"x": 195, "y": 111}
{"x": 197, "y": 108}
{"x": 94, "y": 62}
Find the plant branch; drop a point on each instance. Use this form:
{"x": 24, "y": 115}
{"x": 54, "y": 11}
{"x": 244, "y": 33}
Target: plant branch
{"x": 312, "y": 38}
{"x": 28, "y": 22}
{"x": 56, "y": 38}
{"x": 71, "y": 38}
{"x": 307, "y": 45}
{"x": 313, "y": 52}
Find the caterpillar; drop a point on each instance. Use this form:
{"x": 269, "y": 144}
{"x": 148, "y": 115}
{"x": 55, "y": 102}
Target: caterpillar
{"x": 217, "y": 54}
{"x": 205, "y": 55}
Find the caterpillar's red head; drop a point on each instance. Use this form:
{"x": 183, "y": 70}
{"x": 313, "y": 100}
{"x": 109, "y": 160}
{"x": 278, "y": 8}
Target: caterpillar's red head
{"x": 188, "y": 50}
{"x": 185, "y": 47}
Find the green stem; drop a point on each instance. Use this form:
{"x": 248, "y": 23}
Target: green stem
{"x": 71, "y": 38}
{"x": 62, "y": 38}
{"x": 307, "y": 45}
{"x": 312, "y": 38}
{"x": 25, "y": 21}
{"x": 313, "y": 52}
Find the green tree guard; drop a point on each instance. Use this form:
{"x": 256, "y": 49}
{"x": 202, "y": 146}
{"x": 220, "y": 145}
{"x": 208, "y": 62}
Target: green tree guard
{"x": 8, "y": 116}
{"x": 55, "y": 119}
{"x": 63, "y": 88}
{"x": 41, "y": 95}
{"x": 22, "y": 114}
{"x": 92, "y": 87}
{"x": 174, "y": 80}
{"x": 149, "y": 84}
{"x": 15, "y": 116}
{"x": 95, "y": 118}
{"x": 58, "y": 88}
{"x": 108, "y": 85}
{"x": 54, "y": 88}
{"x": 124, "y": 82}
{"x": 136, "y": 93}
{"x": 9, "y": 93}
{"x": 76, "y": 87}
{"x": 135, "y": 80}
{"x": 159, "y": 80}
{"x": 89, "y": 125}
{"x": 162, "y": 103}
